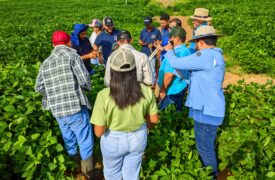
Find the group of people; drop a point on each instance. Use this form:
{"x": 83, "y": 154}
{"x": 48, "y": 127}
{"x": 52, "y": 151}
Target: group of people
{"x": 164, "y": 70}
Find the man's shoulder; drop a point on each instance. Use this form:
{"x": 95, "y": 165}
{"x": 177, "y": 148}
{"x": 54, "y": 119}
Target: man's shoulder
{"x": 156, "y": 30}
{"x": 102, "y": 34}
{"x": 139, "y": 54}
{"x": 143, "y": 30}
{"x": 116, "y": 31}
{"x": 63, "y": 52}
{"x": 184, "y": 51}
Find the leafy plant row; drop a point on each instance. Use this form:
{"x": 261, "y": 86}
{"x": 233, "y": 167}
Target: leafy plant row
{"x": 32, "y": 147}
{"x": 27, "y": 26}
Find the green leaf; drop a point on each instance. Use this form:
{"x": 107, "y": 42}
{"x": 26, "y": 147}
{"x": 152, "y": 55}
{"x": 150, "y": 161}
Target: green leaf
{"x": 61, "y": 158}
{"x": 3, "y": 126}
{"x": 9, "y": 108}
{"x": 29, "y": 165}
{"x": 7, "y": 146}
{"x": 152, "y": 164}
{"x": 35, "y": 136}
{"x": 29, "y": 151}
{"x": 190, "y": 155}
{"x": 52, "y": 166}
{"x": 59, "y": 147}
{"x": 22, "y": 139}
{"x": 270, "y": 174}
{"x": 267, "y": 141}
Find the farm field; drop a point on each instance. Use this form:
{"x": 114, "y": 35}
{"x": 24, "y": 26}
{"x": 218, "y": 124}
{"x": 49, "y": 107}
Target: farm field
{"x": 31, "y": 146}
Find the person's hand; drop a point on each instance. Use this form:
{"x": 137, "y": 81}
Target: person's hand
{"x": 100, "y": 59}
{"x": 150, "y": 45}
{"x": 159, "y": 47}
{"x": 162, "y": 94}
{"x": 148, "y": 122}
{"x": 141, "y": 42}
{"x": 91, "y": 55}
{"x": 168, "y": 47}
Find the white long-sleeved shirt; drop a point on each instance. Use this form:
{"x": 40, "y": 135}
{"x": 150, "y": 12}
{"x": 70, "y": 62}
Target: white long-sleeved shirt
{"x": 144, "y": 73}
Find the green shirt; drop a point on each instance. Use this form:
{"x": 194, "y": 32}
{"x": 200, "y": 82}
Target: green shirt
{"x": 106, "y": 112}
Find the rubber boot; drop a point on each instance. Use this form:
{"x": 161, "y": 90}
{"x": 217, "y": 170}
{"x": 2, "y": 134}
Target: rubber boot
{"x": 77, "y": 158}
{"x": 87, "y": 167}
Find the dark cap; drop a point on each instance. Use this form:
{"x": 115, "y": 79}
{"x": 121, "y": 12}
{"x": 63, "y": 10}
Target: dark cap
{"x": 147, "y": 20}
{"x": 107, "y": 21}
{"x": 165, "y": 17}
{"x": 177, "y": 32}
{"x": 124, "y": 34}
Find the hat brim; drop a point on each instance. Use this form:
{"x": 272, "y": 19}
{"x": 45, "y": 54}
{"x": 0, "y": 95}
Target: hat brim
{"x": 203, "y": 36}
{"x": 91, "y": 25}
{"x": 202, "y": 19}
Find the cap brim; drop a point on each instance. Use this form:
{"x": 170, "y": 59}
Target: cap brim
{"x": 199, "y": 37}
{"x": 109, "y": 24}
{"x": 202, "y": 19}
{"x": 91, "y": 25}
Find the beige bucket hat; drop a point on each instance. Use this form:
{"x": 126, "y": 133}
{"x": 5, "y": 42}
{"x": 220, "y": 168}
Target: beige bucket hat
{"x": 201, "y": 14}
{"x": 205, "y": 31}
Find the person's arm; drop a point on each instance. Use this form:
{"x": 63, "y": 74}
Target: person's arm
{"x": 99, "y": 130}
{"x": 98, "y": 118}
{"x": 91, "y": 55}
{"x": 140, "y": 41}
{"x": 159, "y": 38}
{"x": 168, "y": 77}
{"x": 39, "y": 85}
{"x": 151, "y": 120}
{"x": 97, "y": 43}
{"x": 107, "y": 76}
{"x": 197, "y": 61}
{"x": 152, "y": 115}
{"x": 95, "y": 47}
{"x": 81, "y": 73}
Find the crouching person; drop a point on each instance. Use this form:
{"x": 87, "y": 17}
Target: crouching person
{"x": 62, "y": 80}
{"x": 119, "y": 117}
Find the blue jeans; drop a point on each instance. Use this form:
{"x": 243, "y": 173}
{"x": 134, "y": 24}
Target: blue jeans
{"x": 77, "y": 130}
{"x": 205, "y": 135}
{"x": 175, "y": 99}
{"x": 122, "y": 153}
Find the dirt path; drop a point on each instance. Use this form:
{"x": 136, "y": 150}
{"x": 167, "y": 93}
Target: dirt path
{"x": 230, "y": 77}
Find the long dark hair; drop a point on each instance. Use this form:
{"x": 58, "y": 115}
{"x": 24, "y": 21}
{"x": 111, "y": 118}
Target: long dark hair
{"x": 124, "y": 88}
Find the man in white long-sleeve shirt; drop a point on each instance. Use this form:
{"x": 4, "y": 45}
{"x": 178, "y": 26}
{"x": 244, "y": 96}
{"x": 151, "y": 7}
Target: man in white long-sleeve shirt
{"x": 144, "y": 73}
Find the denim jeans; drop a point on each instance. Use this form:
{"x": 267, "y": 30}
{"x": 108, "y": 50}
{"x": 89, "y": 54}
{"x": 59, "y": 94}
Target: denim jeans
{"x": 77, "y": 130}
{"x": 205, "y": 135}
{"x": 122, "y": 153}
{"x": 175, "y": 99}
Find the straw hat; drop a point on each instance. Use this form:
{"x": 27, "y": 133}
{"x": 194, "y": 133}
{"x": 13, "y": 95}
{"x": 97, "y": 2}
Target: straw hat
{"x": 201, "y": 14}
{"x": 205, "y": 31}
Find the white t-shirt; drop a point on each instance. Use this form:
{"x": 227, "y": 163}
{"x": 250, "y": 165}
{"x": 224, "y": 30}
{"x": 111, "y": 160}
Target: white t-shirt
{"x": 92, "y": 38}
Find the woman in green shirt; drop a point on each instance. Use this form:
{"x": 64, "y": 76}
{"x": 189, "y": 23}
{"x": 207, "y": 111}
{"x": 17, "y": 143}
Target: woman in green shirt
{"x": 119, "y": 117}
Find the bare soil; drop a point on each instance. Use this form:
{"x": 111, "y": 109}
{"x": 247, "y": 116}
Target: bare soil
{"x": 230, "y": 77}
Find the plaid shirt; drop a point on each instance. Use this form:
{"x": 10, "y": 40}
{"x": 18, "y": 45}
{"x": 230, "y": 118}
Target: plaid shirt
{"x": 62, "y": 80}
